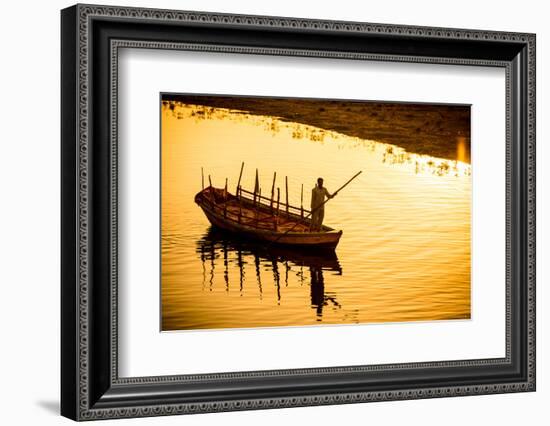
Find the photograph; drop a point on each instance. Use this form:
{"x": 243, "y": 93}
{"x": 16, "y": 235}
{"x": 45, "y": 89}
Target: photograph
{"x": 280, "y": 211}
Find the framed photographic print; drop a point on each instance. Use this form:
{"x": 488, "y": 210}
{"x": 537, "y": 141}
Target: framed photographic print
{"x": 263, "y": 212}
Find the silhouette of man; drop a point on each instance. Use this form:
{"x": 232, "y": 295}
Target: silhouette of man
{"x": 318, "y": 195}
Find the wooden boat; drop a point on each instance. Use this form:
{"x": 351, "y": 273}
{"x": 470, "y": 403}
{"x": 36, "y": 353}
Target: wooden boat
{"x": 253, "y": 216}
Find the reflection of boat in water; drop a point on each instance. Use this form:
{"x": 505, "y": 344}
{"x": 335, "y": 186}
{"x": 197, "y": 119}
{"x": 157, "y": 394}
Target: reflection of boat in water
{"x": 251, "y": 215}
{"x": 221, "y": 251}
{"x": 218, "y": 239}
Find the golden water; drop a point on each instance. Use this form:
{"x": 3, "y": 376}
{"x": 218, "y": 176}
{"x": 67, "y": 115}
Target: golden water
{"x": 405, "y": 250}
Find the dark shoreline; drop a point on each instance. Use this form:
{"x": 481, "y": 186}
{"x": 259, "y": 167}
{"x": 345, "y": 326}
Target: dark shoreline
{"x": 429, "y": 129}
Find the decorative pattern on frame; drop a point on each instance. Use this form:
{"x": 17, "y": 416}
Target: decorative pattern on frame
{"x": 85, "y": 14}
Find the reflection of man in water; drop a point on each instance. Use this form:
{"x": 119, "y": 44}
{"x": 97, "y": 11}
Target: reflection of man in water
{"x": 317, "y": 199}
{"x": 319, "y": 298}
{"x": 317, "y": 290}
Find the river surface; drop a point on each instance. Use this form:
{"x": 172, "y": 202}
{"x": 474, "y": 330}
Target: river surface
{"x": 405, "y": 250}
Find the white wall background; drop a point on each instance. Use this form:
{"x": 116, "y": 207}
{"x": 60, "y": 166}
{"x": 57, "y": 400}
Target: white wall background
{"x": 29, "y": 212}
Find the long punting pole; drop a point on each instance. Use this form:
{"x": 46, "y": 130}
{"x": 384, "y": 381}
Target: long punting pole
{"x": 210, "y": 180}
{"x": 240, "y": 176}
{"x": 202, "y": 177}
{"x": 286, "y": 186}
{"x": 316, "y": 208}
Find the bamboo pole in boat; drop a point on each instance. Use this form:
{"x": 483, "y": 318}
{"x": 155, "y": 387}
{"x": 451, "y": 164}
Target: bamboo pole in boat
{"x": 258, "y": 206}
{"x": 302, "y": 202}
{"x": 202, "y": 178}
{"x": 240, "y": 176}
{"x": 286, "y": 185}
{"x": 256, "y": 186}
{"x": 225, "y": 199}
{"x": 276, "y": 215}
{"x": 273, "y": 190}
{"x": 240, "y": 205}
{"x": 210, "y": 193}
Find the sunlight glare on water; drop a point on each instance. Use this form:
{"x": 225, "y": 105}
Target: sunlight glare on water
{"x": 405, "y": 250}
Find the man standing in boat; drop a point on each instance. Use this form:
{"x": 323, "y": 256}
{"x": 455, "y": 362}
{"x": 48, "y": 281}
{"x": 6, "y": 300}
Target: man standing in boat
{"x": 317, "y": 207}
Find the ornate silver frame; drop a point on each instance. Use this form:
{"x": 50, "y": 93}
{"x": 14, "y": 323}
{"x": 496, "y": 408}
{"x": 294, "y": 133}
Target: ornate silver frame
{"x": 91, "y": 388}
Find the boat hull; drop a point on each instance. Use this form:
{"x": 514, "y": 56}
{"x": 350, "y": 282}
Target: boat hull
{"x": 216, "y": 238}
{"x": 326, "y": 239}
